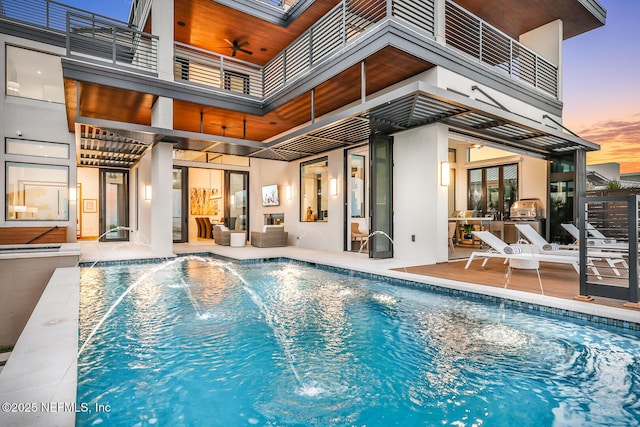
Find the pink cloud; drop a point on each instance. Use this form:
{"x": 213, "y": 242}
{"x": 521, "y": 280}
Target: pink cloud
{"x": 619, "y": 142}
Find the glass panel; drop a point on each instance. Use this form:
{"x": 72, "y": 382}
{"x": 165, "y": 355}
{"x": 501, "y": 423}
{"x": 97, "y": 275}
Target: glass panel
{"x": 37, "y": 192}
{"x": 35, "y": 75}
{"x": 238, "y": 207}
{"x": 561, "y": 196}
{"x": 114, "y": 205}
{"x": 177, "y": 204}
{"x": 451, "y": 191}
{"x": 475, "y": 190}
{"x": 510, "y": 186}
{"x": 492, "y": 191}
{"x": 314, "y": 190}
{"x": 213, "y": 158}
{"x": 37, "y": 148}
{"x": 226, "y": 159}
{"x": 357, "y": 186}
{"x": 381, "y": 151}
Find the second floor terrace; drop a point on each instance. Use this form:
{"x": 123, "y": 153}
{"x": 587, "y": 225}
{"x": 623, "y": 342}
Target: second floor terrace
{"x": 319, "y": 68}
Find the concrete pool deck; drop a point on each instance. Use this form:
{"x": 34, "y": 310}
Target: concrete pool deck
{"x": 42, "y": 369}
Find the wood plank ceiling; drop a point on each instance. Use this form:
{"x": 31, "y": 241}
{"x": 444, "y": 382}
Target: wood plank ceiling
{"x": 206, "y": 24}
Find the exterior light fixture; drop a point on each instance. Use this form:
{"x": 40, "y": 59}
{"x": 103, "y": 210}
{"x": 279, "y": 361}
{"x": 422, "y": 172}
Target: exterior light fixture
{"x": 333, "y": 187}
{"x": 445, "y": 173}
{"x": 287, "y": 192}
{"x": 73, "y": 194}
{"x": 147, "y": 192}
{"x": 233, "y": 200}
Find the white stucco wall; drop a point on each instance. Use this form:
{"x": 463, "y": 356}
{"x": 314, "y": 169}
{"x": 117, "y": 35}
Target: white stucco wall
{"x": 420, "y": 202}
{"x": 40, "y": 121}
{"x": 546, "y": 41}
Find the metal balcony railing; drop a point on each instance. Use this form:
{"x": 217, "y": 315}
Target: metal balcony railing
{"x": 344, "y": 23}
{"x": 471, "y": 35}
{"x": 90, "y": 38}
{"x": 211, "y": 69}
{"x": 44, "y": 13}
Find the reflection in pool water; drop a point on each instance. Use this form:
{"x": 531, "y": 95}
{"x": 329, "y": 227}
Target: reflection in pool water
{"x": 204, "y": 342}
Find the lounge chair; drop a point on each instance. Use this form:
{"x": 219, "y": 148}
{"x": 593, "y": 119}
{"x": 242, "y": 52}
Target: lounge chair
{"x": 611, "y": 252}
{"x": 604, "y": 242}
{"x": 500, "y": 249}
{"x": 597, "y": 239}
{"x": 612, "y": 258}
{"x": 545, "y": 247}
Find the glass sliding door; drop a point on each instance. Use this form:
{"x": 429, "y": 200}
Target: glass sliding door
{"x": 180, "y": 205}
{"x": 237, "y": 200}
{"x": 114, "y": 205}
{"x": 381, "y": 206}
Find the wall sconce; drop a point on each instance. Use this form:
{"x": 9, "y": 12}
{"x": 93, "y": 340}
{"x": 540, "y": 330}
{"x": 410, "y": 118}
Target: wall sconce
{"x": 445, "y": 173}
{"x": 287, "y": 192}
{"x": 147, "y": 192}
{"x": 233, "y": 200}
{"x": 73, "y": 194}
{"x": 333, "y": 186}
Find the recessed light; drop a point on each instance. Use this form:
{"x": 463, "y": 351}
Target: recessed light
{"x": 273, "y": 123}
{"x": 263, "y": 49}
{"x": 181, "y": 23}
{"x": 39, "y": 72}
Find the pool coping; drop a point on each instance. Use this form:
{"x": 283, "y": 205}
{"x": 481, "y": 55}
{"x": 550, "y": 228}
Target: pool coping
{"x": 38, "y": 384}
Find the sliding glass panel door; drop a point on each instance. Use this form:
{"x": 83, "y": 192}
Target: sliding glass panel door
{"x": 114, "y": 205}
{"x": 381, "y": 207}
{"x": 180, "y": 205}
{"x": 237, "y": 197}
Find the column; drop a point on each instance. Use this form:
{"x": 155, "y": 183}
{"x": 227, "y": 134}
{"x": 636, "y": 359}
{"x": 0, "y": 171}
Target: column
{"x": 161, "y": 199}
{"x": 161, "y": 238}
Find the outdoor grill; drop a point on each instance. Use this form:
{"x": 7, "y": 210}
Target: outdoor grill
{"x": 530, "y": 211}
{"x": 527, "y": 209}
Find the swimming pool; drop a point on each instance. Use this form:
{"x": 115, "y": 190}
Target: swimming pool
{"x": 205, "y": 342}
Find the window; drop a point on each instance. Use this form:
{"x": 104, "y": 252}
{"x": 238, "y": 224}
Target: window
{"x": 357, "y": 184}
{"x": 236, "y": 82}
{"x": 37, "y": 148}
{"x": 493, "y": 190}
{"x": 314, "y": 185}
{"x": 37, "y": 192}
{"x": 35, "y": 75}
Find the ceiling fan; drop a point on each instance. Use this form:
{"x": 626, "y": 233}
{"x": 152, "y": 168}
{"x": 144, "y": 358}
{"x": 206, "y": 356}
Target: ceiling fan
{"x": 236, "y": 46}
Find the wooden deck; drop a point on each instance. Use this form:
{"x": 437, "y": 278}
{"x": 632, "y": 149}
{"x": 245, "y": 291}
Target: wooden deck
{"x": 558, "y": 280}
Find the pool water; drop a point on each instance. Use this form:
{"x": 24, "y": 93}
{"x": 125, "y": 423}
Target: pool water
{"x": 203, "y": 342}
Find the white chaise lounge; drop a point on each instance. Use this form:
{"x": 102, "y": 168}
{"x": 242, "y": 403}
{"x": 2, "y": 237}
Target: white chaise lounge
{"x": 612, "y": 258}
{"x": 597, "y": 240}
{"x": 500, "y": 249}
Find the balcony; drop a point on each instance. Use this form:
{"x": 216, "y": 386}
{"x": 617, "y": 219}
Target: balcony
{"x": 94, "y": 38}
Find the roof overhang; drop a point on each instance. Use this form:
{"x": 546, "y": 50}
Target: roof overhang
{"x": 413, "y": 105}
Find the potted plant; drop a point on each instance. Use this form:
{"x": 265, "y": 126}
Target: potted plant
{"x": 468, "y": 229}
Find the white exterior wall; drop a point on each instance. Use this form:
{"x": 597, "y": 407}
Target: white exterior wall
{"x": 546, "y": 41}
{"x": 140, "y": 209}
{"x": 447, "y": 79}
{"x": 327, "y": 236}
{"x": 90, "y": 180}
{"x": 533, "y": 180}
{"x": 40, "y": 121}
{"x": 420, "y": 202}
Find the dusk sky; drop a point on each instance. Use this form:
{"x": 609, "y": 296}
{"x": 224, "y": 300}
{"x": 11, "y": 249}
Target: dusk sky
{"x": 601, "y": 87}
